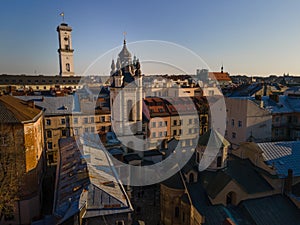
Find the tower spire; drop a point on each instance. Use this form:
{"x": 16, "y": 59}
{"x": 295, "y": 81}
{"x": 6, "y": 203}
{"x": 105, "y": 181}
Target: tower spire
{"x": 124, "y": 34}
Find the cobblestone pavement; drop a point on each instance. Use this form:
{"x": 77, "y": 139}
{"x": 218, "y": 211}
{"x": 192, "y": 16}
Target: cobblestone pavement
{"x": 146, "y": 203}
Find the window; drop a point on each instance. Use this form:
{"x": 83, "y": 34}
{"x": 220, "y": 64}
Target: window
{"x": 86, "y": 120}
{"x": 197, "y": 157}
{"x": 68, "y": 67}
{"x": 190, "y": 121}
{"x": 190, "y": 130}
{"x": 153, "y": 124}
{"x": 219, "y": 161}
{"x": 102, "y": 118}
{"x": 160, "y": 134}
{"x": 86, "y": 129}
{"x": 92, "y": 119}
{"x": 75, "y": 120}
{"x": 64, "y": 133}
{"x": 3, "y": 141}
{"x": 49, "y": 134}
{"x": 276, "y": 132}
{"x": 176, "y": 211}
{"x": 50, "y": 158}
{"x": 153, "y": 134}
{"x": 233, "y": 135}
{"x": 103, "y": 128}
{"x": 174, "y": 122}
{"x": 49, "y": 145}
{"x": 48, "y": 122}
{"x": 129, "y": 110}
{"x": 174, "y": 132}
{"x": 63, "y": 121}
{"x": 166, "y": 123}
{"x": 76, "y": 132}
{"x": 180, "y": 132}
{"x": 93, "y": 129}
{"x": 180, "y": 122}
{"x": 232, "y": 122}
{"x": 160, "y": 124}
{"x": 240, "y": 123}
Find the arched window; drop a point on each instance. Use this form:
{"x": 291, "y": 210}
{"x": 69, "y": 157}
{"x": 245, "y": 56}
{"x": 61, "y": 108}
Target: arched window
{"x": 231, "y": 198}
{"x": 129, "y": 110}
{"x": 68, "y": 67}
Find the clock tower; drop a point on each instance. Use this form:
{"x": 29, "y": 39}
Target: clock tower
{"x": 65, "y": 51}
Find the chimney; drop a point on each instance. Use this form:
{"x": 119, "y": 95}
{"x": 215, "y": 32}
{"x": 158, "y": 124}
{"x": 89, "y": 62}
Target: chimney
{"x": 31, "y": 104}
{"x": 288, "y": 182}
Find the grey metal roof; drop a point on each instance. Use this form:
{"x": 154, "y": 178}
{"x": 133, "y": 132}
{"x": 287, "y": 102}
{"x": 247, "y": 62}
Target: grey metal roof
{"x": 283, "y": 156}
{"x": 86, "y": 177}
{"x": 275, "y": 210}
{"x": 55, "y": 105}
{"x": 241, "y": 171}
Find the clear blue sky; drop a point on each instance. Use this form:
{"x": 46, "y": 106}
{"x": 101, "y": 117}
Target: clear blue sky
{"x": 249, "y": 37}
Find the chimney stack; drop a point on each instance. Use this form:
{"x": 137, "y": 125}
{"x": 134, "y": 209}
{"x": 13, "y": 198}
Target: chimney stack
{"x": 288, "y": 182}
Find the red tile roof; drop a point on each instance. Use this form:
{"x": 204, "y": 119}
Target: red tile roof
{"x": 219, "y": 76}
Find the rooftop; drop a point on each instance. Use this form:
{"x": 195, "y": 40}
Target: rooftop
{"x": 14, "y": 110}
{"x": 241, "y": 171}
{"x": 86, "y": 178}
{"x": 283, "y": 156}
{"x": 275, "y": 210}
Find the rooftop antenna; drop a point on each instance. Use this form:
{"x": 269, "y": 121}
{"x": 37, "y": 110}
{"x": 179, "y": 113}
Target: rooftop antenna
{"x": 62, "y": 14}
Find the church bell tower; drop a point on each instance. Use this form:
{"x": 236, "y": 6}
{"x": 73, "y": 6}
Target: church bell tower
{"x": 65, "y": 51}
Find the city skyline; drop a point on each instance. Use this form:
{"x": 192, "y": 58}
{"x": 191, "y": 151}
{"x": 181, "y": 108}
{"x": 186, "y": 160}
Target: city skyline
{"x": 252, "y": 38}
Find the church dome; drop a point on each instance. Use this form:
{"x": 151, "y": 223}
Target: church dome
{"x": 124, "y": 52}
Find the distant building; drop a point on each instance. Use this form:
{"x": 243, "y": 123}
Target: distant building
{"x": 126, "y": 98}
{"x": 22, "y": 160}
{"x": 246, "y": 120}
{"x": 182, "y": 118}
{"x": 22, "y": 84}
{"x": 72, "y": 115}
{"x": 66, "y": 64}
{"x": 223, "y": 78}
